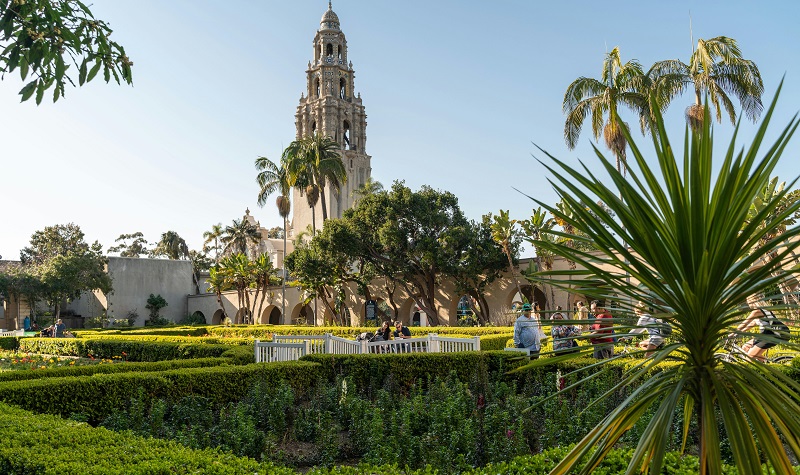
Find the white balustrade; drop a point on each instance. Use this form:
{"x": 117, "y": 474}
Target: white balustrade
{"x": 293, "y": 347}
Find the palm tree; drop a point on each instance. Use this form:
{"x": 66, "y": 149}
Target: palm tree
{"x": 370, "y": 187}
{"x": 716, "y": 69}
{"x": 213, "y": 235}
{"x": 620, "y": 84}
{"x": 218, "y": 283}
{"x": 171, "y": 246}
{"x": 504, "y": 232}
{"x": 696, "y": 264}
{"x": 315, "y": 160}
{"x": 239, "y": 236}
{"x": 238, "y": 270}
{"x": 271, "y": 178}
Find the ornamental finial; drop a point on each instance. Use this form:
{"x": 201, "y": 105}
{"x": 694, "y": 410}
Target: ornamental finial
{"x": 330, "y": 7}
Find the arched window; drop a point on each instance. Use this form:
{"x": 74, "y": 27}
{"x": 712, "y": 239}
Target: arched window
{"x": 346, "y": 134}
{"x": 316, "y": 86}
{"x": 339, "y": 50}
{"x": 329, "y": 49}
{"x": 342, "y": 88}
{"x": 313, "y": 126}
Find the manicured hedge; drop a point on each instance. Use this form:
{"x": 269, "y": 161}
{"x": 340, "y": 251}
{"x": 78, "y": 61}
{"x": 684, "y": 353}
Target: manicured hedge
{"x": 372, "y": 372}
{"x": 207, "y": 339}
{"x": 263, "y": 332}
{"x": 201, "y": 330}
{"x": 96, "y": 396}
{"x": 89, "y": 370}
{"x": 40, "y": 444}
{"x": 495, "y": 342}
{"x": 9, "y": 342}
{"x": 131, "y": 350}
{"x": 51, "y": 445}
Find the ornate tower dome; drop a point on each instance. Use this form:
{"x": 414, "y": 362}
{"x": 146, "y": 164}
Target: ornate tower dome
{"x": 330, "y": 21}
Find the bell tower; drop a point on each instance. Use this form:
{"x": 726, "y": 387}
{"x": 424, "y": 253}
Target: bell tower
{"x": 330, "y": 106}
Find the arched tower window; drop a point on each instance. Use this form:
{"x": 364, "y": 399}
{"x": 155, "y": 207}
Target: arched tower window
{"x": 316, "y": 86}
{"x": 313, "y": 127}
{"x": 339, "y": 50}
{"x": 346, "y": 134}
{"x": 329, "y": 50}
{"x": 342, "y": 88}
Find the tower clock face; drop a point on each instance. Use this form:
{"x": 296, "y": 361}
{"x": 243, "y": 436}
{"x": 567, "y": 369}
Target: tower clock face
{"x": 328, "y": 60}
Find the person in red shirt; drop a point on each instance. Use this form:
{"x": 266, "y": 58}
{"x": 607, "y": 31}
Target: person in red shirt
{"x": 602, "y": 331}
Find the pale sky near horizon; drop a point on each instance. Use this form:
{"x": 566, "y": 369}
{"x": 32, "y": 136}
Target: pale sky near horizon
{"x": 456, "y": 93}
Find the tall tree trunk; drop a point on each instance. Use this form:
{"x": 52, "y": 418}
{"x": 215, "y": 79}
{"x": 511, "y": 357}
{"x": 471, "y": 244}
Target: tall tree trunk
{"x": 514, "y": 274}
{"x": 283, "y": 275}
{"x": 322, "y": 200}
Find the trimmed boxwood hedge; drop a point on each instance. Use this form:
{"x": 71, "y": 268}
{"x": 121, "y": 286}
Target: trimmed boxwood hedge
{"x": 96, "y": 396}
{"x": 89, "y": 370}
{"x": 374, "y": 371}
{"x": 263, "y": 332}
{"x": 50, "y": 445}
{"x": 131, "y": 350}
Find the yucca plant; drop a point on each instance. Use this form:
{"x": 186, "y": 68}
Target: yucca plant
{"x": 678, "y": 242}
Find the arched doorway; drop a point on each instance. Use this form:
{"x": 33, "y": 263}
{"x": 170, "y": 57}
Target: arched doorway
{"x": 198, "y": 318}
{"x": 302, "y": 315}
{"x": 216, "y": 319}
{"x": 271, "y": 315}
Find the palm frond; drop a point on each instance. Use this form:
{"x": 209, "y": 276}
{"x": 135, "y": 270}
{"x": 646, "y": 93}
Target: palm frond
{"x": 679, "y": 237}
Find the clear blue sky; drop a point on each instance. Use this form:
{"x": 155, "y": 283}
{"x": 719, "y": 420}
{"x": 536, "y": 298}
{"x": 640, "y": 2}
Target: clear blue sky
{"x": 455, "y": 92}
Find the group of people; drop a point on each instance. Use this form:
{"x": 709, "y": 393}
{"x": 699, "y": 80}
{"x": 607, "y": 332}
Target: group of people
{"x": 385, "y": 333}
{"x": 599, "y": 324}
{"x": 56, "y": 330}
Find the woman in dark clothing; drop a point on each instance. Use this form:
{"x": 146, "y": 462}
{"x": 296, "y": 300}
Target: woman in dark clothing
{"x": 385, "y": 332}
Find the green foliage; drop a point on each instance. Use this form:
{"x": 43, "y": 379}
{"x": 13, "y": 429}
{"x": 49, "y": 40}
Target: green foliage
{"x": 42, "y": 37}
{"x": 171, "y": 246}
{"x": 97, "y": 395}
{"x": 59, "y": 265}
{"x": 131, "y": 245}
{"x": 130, "y": 349}
{"x": 678, "y": 241}
{"x": 193, "y": 319}
{"x": 154, "y": 305}
{"x": 89, "y": 370}
{"x": 54, "y": 445}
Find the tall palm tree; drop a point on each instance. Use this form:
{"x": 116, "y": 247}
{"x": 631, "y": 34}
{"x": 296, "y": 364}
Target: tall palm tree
{"x": 271, "y": 178}
{"x": 717, "y": 69}
{"x": 214, "y": 234}
{"x": 315, "y": 160}
{"x": 619, "y": 84}
{"x": 696, "y": 264}
{"x": 172, "y": 246}
{"x": 239, "y": 236}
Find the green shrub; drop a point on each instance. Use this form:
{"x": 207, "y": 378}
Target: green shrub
{"x": 372, "y": 372}
{"x": 112, "y": 368}
{"x": 128, "y": 349}
{"x": 495, "y": 342}
{"x": 96, "y": 396}
{"x": 9, "y": 343}
{"x": 265, "y": 332}
{"x": 50, "y": 445}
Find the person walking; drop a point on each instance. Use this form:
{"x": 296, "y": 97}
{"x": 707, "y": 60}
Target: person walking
{"x": 526, "y": 332}
{"x": 602, "y": 331}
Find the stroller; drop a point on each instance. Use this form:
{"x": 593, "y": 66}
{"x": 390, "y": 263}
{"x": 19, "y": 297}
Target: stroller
{"x": 369, "y": 337}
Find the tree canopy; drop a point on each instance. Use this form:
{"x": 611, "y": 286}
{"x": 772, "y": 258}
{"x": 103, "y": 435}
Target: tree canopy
{"x": 44, "y": 38}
